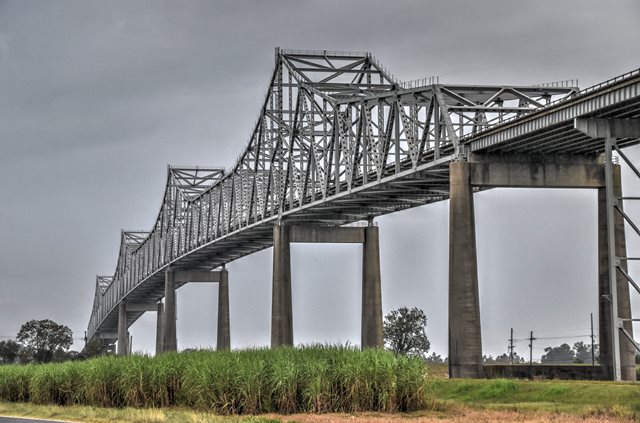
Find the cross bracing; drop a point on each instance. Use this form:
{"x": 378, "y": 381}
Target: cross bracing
{"x": 339, "y": 139}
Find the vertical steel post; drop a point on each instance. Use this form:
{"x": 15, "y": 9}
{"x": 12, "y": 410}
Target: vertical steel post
{"x": 531, "y": 338}
{"x": 511, "y": 348}
{"x": 611, "y": 249}
{"x": 593, "y": 353}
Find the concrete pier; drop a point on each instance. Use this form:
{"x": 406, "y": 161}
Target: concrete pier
{"x": 281, "y": 308}
{"x": 169, "y": 341}
{"x": 123, "y": 333}
{"x": 224, "y": 330}
{"x": 465, "y": 341}
{"x": 627, "y": 350}
{"x": 159, "y": 328}
{"x": 371, "y": 332}
{"x": 281, "y": 311}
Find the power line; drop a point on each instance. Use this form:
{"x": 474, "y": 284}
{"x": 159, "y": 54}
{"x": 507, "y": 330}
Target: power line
{"x": 553, "y": 337}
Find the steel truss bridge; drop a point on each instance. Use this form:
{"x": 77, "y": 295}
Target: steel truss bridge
{"x": 340, "y": 140}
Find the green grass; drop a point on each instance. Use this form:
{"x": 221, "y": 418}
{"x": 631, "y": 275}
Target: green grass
{"x": 585, "y": 398}
{"x": 315, "y": 379}
{"x": 286, "y": 380}
{"x": 88, "y": 414}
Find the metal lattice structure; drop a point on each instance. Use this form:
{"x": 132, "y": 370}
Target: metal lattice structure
{"x": 339, "y": 139}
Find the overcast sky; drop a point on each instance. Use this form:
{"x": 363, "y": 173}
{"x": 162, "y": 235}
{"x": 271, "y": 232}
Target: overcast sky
{"x": 96, "y": 98}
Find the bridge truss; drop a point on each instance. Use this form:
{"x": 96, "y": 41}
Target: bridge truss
{"x": 339, "y": 139}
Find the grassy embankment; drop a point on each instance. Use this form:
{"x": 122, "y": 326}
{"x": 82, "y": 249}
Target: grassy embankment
{"x": 583, "y": 398}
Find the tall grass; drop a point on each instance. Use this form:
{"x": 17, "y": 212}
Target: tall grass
{"x": 286, "y": 380}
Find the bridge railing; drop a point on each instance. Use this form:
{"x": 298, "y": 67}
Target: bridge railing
{"x": 586, "y": 91}
{"x": 611, "y": 81}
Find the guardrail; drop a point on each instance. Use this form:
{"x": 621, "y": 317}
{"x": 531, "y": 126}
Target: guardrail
{"x": 554, "y": 103}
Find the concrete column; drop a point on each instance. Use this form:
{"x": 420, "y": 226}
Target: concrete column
{"x": 123, "y": 334}
{"x": 159, "y": 328}
{"x": 224, "y": 331}
{"x": 465, "y": 340}
{"x": 169, "y": 341}
{"x": 627, "y": 350}
{"x": 281, "y": 309}
{"x": 371, "y": 332}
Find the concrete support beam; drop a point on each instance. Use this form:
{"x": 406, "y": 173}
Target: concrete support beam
{"x": 159, "y": 328}
{"x": 184, "y": 276}
{"x": 535, "y": 171}
{"x": 123, "y": 334}
{"x": 627, "y": 350}
{"x": 169, "y": 339}
{"x": 328, "y": 234}
{"x": 371, "y": 331}
{"x": 465, "y": 341}
{"x": 107, "y": 335}
{"x": 137, "y": 307}
{"x": 224, "y": 330}
{"x": 281, "y": 308}
{"x": 602, "y": 128}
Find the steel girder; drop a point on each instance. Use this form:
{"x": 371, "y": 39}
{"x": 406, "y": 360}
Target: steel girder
{"x": 338, "y": 139}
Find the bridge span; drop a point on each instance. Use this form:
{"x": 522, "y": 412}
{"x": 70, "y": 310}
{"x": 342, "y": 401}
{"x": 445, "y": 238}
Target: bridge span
{"x": 339, "y": 141}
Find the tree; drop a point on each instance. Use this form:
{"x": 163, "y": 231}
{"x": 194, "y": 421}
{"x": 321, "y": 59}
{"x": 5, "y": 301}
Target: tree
{"x": 404, "y": 332}
{"x": 9, "y": 351}
{"x": 505, "y": 359}
{"x": 435, "y": 358}
{"x": 488, "y": 359}
{"x": 95, "y": 348}
{"x": 43, "y": 339}
{"x": 583, "y": 352}
{"x": 558, "y": 355}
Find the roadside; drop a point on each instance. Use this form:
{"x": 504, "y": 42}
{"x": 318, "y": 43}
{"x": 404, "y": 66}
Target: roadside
{"x": 444, "y": 412}
{"x": 29, "y": 420}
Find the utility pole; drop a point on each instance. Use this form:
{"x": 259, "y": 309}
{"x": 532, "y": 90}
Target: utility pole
{"x": 511, "y": 348}
{"x": 531, "y": 339}
{"x": 593, "y": 353}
